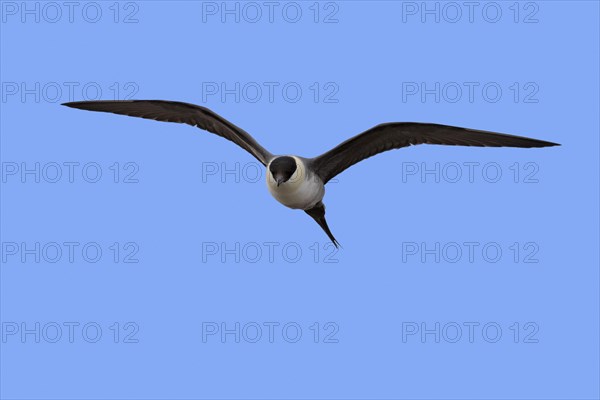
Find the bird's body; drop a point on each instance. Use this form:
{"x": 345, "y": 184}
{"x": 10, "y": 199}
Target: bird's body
{"x": 298, "y": 182}
{"x": 302, "y": 191}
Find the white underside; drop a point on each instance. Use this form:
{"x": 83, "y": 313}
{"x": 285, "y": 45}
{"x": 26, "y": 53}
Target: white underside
{"x": 302, "y": 191}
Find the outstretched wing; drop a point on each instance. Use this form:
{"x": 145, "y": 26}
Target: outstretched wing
{"x": 185, "y": 113}
{"x": 395, "y": 135}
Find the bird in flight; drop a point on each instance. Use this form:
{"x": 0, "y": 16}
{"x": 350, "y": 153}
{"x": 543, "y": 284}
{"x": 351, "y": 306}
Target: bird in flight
{"x": 299, "y": 182}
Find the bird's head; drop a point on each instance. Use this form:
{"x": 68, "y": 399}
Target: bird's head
{"x": 282, "y": 169}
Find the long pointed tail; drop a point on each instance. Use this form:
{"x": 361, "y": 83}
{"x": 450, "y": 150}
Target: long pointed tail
{"x": 318, "y": 214}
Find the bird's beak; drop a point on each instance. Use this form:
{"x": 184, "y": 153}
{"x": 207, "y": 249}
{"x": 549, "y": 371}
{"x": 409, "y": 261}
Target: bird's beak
{"x": 279, "y": 181}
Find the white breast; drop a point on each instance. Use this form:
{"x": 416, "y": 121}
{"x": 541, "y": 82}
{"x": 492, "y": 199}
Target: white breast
{"x": 303, "y": 190}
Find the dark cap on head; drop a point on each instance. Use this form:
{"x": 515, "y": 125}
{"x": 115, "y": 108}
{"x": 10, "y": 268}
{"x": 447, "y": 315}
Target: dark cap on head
{"x": 282, "y": 169}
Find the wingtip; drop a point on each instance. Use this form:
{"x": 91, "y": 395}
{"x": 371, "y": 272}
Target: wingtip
{"x": 546, "y": 143}
{"x": 550, "y": 144}
{"x": 88, "y": 103}
{"x": 74, "y": 104}
{"x": 541, "y": 144}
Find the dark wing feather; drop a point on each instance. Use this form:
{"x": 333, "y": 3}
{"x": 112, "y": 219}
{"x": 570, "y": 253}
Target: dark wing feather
{"x": 185, "y": 113}
{"x": 390, "y": 136}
